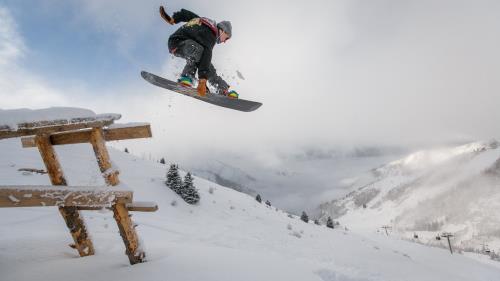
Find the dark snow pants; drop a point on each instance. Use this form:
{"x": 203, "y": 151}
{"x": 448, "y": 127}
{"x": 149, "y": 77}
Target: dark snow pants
{"x": 192, "y": 51}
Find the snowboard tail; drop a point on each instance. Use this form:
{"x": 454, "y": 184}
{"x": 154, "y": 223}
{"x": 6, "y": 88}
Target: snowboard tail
{"x": 236, "y": 104}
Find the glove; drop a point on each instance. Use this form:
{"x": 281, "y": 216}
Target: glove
{"x": 202, "y": 87}
{"x": 165, "y": 16}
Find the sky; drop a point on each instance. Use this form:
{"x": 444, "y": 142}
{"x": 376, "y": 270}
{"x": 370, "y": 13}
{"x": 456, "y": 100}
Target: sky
{"x": 328, "y": 72}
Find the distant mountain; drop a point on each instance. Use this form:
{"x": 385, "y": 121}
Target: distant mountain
{"x": 453, "y": 189}
{"x": 294, "y": 180}
{"x": 226, "y": 175}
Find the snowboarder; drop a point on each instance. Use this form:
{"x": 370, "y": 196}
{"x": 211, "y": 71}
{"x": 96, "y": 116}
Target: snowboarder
{"x": 194, "y": 42}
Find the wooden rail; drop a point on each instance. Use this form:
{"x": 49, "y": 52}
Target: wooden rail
{"x": 83, "y": 136}
{"x": 46, "y": 127}
{"x": 67, "y": 196}
{"x": 131, "y": 207}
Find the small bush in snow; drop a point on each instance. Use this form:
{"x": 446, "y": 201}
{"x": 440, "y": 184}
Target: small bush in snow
{"x": 258, "y": 198}
{"x": 494, "y": 256}
{"x": 268, "y": 203}
{"x": 316, "y": 222}
{"x": 173, "y": 203}
{"x": 289, "y": 227}
{"x": 211, "y": 190}
{"x": 329, "y": 222}
{"x": 304, "y": 217}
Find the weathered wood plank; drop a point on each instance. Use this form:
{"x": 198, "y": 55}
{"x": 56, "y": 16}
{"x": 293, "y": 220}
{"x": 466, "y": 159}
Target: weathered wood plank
{"x": 120, "y": 213}
{"x": 71, "y": 216}
{"x": 83, "y": 243}
{"x": 41, "y": 196}
{"x": 59, "y": 122}
{"x": 50, "y": 160}
{"x": 29, "y": 131}
{"x": 83, "y": 136}
{"x": 131, "y": 207}
{"x": 127, "y": 231}
{"x": 142, "y": 206}
{"x": 101, "y": 152}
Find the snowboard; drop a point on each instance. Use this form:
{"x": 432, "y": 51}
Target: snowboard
{"x": 215, "y": 99}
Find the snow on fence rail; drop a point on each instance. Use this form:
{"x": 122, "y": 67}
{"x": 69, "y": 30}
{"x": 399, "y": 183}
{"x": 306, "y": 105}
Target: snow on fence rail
{"x": 53, "y": 126}
{"x": 66, "y": 196}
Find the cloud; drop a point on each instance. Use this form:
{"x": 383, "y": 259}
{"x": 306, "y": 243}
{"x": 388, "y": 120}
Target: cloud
{"x": 327, "y": 71}
{"x": 19, "y": 88}
{"x": 11, "y": 45}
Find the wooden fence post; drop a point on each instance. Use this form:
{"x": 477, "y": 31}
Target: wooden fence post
{"x": 120, "y": 212}
{"x": 70, "y": 214}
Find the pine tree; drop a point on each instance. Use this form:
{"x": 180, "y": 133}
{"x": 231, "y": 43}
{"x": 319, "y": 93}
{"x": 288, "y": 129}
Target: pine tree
{"x": 329, "y": 222}
{"x": 188, "y": 191}
{"x": 162, "y": 160}
{"x": 304, "y": 217}
{"x": 174, "y": 181}
{"x": 126, "y": 150}
{"x": 258, "y": 198}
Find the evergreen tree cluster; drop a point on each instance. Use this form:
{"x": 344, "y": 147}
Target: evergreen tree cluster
{"x": 185, "y": 189}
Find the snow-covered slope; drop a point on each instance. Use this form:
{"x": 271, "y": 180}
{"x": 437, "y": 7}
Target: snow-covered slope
{"x": 453, "y": 190}
{"x": 227, "y": 236}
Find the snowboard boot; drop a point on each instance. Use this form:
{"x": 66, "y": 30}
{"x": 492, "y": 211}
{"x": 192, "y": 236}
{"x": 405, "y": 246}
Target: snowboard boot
{"x": 231, "y": 94}
{"x": 185, "y": 81}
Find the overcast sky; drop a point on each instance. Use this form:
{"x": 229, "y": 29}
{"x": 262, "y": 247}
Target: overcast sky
{"x": 362, "y": 72}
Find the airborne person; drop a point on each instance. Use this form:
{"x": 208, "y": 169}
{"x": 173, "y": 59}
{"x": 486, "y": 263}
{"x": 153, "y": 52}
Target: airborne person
{"x": 194, "y": 42}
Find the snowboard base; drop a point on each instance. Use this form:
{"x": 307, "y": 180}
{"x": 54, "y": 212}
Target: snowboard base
{"x": 219, "y": 100}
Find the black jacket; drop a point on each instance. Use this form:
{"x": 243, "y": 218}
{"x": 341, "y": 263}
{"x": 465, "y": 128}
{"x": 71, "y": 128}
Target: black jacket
{"x": 201, "y": 30}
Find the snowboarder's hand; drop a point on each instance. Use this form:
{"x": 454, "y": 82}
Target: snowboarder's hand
{"x": 166, "y": 17}
{"x": 202, "y": 87}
